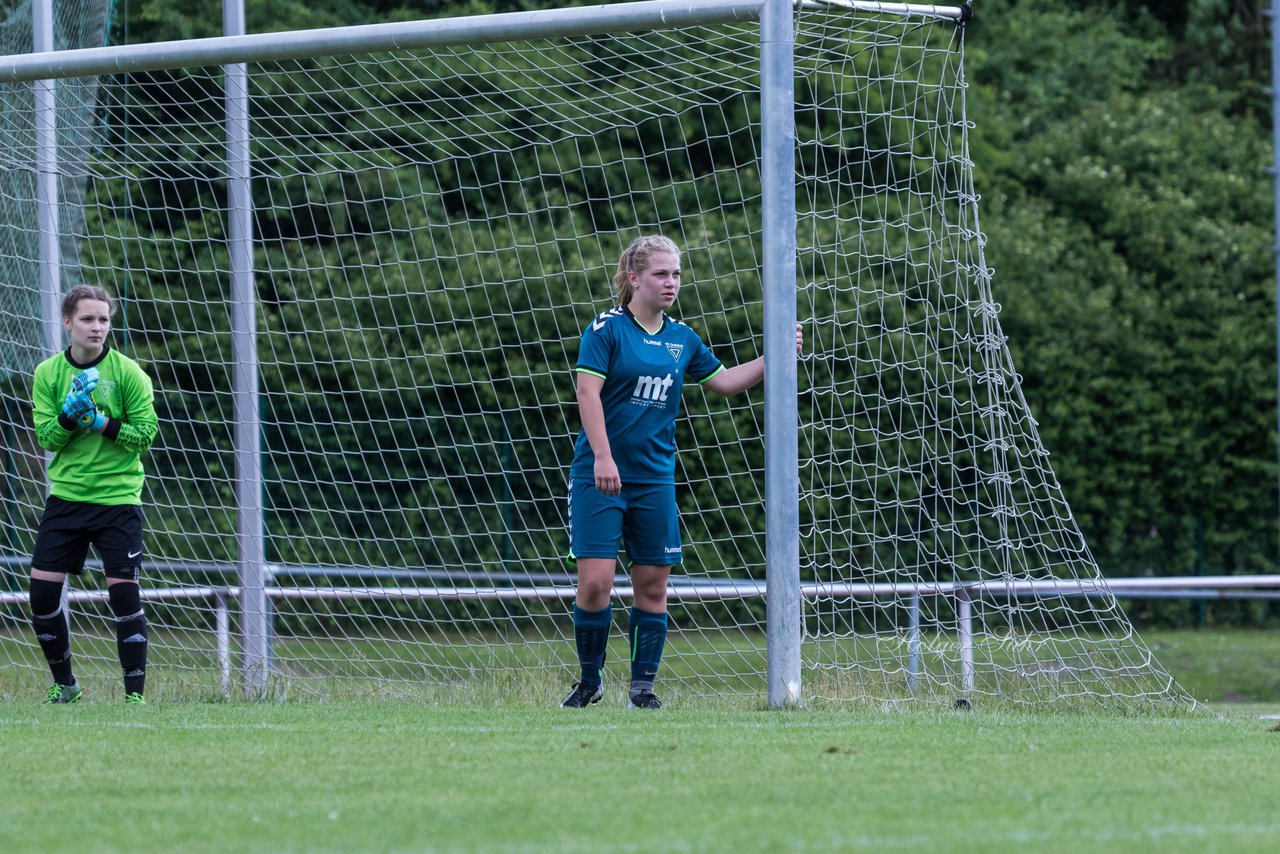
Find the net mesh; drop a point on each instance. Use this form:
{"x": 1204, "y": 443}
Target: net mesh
{"x": 432, "y": 232}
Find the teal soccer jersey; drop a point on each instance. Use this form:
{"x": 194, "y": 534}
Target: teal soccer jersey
{"x": 643, "y": 373}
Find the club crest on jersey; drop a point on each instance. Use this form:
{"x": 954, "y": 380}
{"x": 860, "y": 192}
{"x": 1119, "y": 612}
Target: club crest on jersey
{"x": 675, "y": 350}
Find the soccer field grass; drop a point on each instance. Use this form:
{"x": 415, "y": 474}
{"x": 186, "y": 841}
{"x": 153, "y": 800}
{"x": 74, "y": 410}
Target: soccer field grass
{"x": 454, "y": 778}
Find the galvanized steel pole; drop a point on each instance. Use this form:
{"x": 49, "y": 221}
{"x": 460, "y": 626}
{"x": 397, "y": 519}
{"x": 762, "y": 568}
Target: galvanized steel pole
{"x": 49, "y": 265}
{"x": 782, "y": 476}
{"x": 397, "y": 35}
{"x": 255, "y": 615}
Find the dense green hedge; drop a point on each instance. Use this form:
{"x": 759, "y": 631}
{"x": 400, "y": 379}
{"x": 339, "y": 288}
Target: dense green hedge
{"x": 1120, "y": 152}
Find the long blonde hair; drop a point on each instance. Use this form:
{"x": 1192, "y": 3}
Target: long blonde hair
{"x": 636, "y": 260}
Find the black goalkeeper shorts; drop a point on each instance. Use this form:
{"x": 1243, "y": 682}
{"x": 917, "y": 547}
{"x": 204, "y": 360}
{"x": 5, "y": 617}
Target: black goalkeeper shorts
{"x": 69, "y": 527}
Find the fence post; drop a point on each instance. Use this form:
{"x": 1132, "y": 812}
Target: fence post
{"x": 964, "y": 628}
{"x": 222, "y": 628}
{"x": 913, "y": 642}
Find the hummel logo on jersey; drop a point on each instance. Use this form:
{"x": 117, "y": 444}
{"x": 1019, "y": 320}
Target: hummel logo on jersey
{"x": 675, "y": 350}
{"x": 652, "y": 388}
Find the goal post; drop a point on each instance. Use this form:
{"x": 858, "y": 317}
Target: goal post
{"x": 360, "y": 310}
{"x": 778, "y": 234}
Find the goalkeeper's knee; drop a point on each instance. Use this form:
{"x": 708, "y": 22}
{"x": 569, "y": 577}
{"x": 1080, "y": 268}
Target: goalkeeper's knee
{"x": 46, "y": 599}
{"x": 126, "y": 600}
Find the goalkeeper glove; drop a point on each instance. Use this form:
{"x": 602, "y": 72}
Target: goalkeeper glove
{"x": 79, "y": 400}
{"x": 93, "y": 420}
{"x": 77, "y": 404}
{"x": 85, "y": 381}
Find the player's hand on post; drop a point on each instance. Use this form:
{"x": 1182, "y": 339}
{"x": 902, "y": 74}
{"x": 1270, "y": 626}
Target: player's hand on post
{"x": 92, "y": 421}
{"x": 608, "y": 481}
{"x": 799, "y": 339}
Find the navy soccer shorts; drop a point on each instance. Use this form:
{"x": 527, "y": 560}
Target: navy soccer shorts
{"x": 643, "y": 518}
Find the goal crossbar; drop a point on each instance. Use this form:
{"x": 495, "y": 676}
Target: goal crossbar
{"x": 415, "y": 35}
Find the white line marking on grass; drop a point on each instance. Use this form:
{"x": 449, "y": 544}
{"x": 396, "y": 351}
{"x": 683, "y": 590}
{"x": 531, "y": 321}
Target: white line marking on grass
{"x": 167, "y": 724}
{"x": 572, "y": 847}
{"x": 1196, "y": 830}
{"x": 1129, "y": 834}
{"x": 918, "y": 841}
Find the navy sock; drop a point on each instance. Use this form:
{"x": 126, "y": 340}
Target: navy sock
{"x": 50, "y": 623}
{"x": 648, "y": 633}
{"x": 591, "y": 634}
{"x": 131, "y": 635}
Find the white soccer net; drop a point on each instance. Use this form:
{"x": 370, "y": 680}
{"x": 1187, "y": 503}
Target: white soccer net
{"x": 433, "y": 230}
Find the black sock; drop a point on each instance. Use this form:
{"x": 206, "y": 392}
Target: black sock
{"x": 50, "y": 623}
{"x": 131, "y": 635}
{"x": 591, "y": 636}
{"x": 648, "y": 631}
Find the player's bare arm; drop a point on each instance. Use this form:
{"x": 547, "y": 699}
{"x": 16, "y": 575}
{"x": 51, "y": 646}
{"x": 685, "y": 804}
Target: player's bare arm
{"x": 739, "y": 378}
{"x": 608, "y": 481}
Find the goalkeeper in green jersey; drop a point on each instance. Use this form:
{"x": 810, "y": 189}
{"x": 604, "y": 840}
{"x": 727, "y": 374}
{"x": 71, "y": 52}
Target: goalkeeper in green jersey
{"x": 93, "y": 409}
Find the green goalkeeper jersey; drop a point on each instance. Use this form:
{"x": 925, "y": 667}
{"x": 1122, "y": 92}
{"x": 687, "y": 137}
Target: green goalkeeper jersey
{"x": 96, "y": 468}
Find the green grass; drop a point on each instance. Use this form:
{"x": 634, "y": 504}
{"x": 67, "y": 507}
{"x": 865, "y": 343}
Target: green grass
{"x": 457, "y": 770}
{"x": 1214, "y": 666}
{"x": 1221, "y": 665}
{"x": 388, "y": 777}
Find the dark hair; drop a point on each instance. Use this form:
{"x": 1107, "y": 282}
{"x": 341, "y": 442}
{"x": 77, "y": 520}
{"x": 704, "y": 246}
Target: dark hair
{"x": 71, "y": 299}
{"x": 636, "y": 260}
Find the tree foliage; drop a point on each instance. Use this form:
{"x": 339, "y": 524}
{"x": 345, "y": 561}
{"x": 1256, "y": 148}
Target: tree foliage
{"x": 1129, "y": 222}
{"x": 1119, "y": 151}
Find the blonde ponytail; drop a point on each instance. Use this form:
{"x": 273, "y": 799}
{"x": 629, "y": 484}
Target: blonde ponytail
{"x": 636, "y": 260}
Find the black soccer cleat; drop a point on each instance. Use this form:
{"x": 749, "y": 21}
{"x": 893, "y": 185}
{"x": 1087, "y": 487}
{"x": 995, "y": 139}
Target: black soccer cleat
{"x": 582, "y": 695}
{"x": 645, "y": 700}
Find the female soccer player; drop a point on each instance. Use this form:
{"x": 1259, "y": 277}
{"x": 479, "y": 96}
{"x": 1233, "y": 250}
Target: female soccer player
{"x": 632, "y": 363}
{"x": 92, "y": 408}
